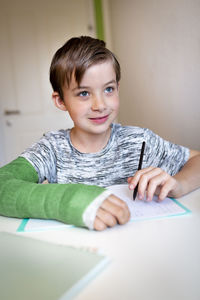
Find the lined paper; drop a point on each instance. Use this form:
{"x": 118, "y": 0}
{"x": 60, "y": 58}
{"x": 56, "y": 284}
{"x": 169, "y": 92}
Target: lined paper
{"x": 141, "y": 209}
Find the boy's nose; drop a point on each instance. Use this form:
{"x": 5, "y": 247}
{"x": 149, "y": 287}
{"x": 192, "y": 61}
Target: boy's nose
{"x": 98, "y": 103}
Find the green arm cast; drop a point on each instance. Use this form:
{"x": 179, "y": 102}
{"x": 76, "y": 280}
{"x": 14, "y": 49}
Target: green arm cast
{"x": 22, "y": 197}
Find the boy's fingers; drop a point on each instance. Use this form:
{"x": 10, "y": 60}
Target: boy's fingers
{"x": 114, "y": 199}
{"x": 106, "y": 217}
{"x": 112, "y": 211}
{"x": 156, "y": 181}
{"x": 149, "y": 177}
{"x": 133, "y": 181}
{"x": 129, "y": 179}
{"x": 148, "y": 180}
{"x": 169, "y": 185}
{"x": 99, "y": 225}
{"x": 117, "y": 208}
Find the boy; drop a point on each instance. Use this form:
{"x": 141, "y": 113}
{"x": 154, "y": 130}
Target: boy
{"x": 80, "y": 162}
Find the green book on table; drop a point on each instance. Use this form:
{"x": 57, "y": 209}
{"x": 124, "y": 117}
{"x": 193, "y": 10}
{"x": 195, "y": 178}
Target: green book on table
{"x": 31, "y": 269}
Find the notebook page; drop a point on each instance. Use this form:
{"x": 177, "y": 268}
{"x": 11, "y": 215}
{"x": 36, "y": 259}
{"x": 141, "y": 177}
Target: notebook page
{"x": 141, "y": 209}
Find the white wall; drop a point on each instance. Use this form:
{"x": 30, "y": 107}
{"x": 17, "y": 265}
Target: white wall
{"x": 158, "y": 45}
{"x": 2, "y": 154}
{"x": 30, "y": 33}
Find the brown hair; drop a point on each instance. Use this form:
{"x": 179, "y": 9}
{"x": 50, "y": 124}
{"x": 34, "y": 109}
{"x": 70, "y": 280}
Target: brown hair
{"x": 75, "y": 57}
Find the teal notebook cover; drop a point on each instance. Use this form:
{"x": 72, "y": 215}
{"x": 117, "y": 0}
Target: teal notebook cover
{"x": 31, "y": 269}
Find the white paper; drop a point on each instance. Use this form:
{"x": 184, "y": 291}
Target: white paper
{"x": 40, "y": 224}
{"x": 141, "y": 209}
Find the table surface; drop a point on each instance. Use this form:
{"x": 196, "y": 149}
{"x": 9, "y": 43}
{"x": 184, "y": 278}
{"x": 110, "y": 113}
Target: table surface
{"x": 152, "y": 259}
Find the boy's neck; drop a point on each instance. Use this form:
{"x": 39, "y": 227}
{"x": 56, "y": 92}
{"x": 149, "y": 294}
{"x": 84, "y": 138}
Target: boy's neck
{"x": 89, "y": 143}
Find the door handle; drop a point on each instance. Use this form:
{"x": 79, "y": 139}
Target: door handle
{"x": 12, "y": 112}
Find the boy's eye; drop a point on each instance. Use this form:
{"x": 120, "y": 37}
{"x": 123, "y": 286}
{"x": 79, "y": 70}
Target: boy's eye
{"x": 109, "y": 89}
{"x": 83, "y": 94}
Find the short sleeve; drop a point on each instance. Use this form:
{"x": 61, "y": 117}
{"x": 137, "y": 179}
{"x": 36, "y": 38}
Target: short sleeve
{"x": 42, "y": 156}
{"x": 164, "y": 154}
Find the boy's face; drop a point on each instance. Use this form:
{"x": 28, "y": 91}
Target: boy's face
{"x": 94, "y": 104}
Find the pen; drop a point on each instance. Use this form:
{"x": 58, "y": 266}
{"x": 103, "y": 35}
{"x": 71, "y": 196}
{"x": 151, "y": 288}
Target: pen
{"x": 139, "y": 168}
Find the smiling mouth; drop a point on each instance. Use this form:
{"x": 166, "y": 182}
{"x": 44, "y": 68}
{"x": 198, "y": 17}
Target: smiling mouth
{"x": 99, "y": 120}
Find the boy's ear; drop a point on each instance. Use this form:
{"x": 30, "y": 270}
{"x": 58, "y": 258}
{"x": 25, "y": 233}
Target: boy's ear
{"x": 59, "y": 103}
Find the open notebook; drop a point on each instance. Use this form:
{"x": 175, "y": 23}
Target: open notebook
{"x": 31, "y": 269}
{"x": 140, "y": 210}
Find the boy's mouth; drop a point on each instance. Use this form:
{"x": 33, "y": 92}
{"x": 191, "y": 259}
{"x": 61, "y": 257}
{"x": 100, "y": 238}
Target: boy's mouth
{"x": 99, "y": 120}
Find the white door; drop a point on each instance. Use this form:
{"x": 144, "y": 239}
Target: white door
{"x": 30, "y": 33}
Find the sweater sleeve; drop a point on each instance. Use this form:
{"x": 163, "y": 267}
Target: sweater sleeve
{"x": 21, "y": 196}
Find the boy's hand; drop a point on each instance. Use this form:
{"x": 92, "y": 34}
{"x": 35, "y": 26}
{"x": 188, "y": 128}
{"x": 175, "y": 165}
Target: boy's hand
{"x": 154, "y": 181}
{"x": 112, "y": 211}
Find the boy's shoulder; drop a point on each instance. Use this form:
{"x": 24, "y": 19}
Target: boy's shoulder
{"x": 128, "y": 131}
{"x": 56, "y": 135}
{"x": 54, "y": 139}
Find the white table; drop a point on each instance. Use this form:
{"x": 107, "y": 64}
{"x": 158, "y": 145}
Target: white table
{"x": 155, "y": 259}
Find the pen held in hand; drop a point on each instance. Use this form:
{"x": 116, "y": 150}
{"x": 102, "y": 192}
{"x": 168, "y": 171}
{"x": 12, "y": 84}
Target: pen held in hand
{"x": 139, "y": 168}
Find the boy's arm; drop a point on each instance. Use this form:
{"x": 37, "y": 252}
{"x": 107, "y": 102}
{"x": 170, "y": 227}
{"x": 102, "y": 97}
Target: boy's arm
{"x": 189, "y": 176}
{"x": 22, "y": 197}
{"x": 154, "y": 180}
{"x": 78, "y": 204}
